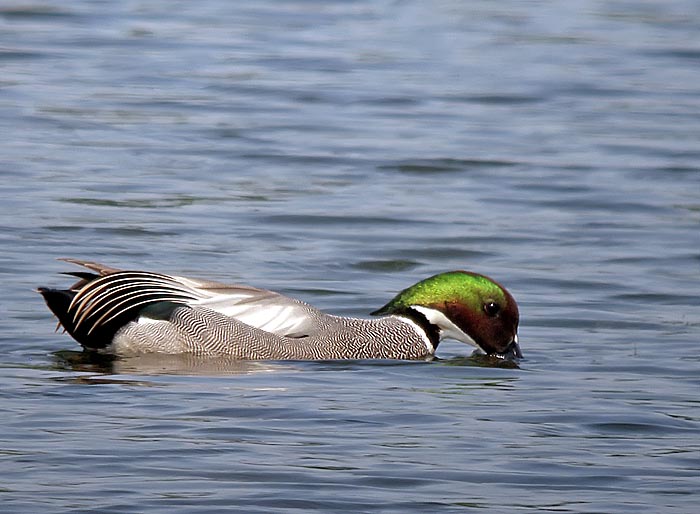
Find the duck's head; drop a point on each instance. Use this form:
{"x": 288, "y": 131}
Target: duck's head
{"x": 465, "y": 306}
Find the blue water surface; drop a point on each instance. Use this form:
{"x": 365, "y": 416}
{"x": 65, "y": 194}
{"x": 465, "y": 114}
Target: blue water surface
{"x": 339, "y": 152}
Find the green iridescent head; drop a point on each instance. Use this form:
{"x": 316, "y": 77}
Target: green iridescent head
{"x": 466, "y": 306}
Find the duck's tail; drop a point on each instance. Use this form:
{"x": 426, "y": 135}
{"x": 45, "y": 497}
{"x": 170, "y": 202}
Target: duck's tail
{"x": 105, "y": 299}
{"x": 59, "y": 301}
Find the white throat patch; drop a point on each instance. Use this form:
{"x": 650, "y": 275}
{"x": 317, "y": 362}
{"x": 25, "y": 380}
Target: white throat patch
{"x": 448, "y": 330}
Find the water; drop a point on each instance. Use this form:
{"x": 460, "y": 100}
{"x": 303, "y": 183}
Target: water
{"x": 339, "y": 152}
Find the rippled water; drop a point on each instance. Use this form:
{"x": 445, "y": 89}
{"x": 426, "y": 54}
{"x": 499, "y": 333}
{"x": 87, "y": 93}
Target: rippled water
{"x": 339, "y": 152}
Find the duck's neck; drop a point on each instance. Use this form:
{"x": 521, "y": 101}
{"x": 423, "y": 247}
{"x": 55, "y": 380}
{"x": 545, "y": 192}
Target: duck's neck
{"x": 431, "y": 331}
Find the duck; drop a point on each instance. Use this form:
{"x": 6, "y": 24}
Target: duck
{"x": 126, "y": 312}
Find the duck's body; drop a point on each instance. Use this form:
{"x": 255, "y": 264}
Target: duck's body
{"x": 133, "y": 312}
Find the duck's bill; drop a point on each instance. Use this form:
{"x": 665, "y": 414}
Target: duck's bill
{"x": 513, "y": 351}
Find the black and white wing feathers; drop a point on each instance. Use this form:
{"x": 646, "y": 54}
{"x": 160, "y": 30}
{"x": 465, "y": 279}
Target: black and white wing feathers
{"x": 106, "y": 299}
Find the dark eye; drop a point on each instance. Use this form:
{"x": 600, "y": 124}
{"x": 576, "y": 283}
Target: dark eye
{"x": 492, "y": 309}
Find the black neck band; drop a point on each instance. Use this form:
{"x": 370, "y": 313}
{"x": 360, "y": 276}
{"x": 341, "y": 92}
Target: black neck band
{"x": 431, "y": 330}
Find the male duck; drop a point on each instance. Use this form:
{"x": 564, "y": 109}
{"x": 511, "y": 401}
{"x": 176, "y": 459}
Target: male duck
{"x": 133, "y": 312}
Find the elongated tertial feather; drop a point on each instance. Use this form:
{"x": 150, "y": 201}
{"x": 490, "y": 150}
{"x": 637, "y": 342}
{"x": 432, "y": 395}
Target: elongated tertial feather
{"x": 107, "y": 297}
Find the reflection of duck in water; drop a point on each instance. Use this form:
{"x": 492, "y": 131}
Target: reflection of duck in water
{"x": 135, "y": 312}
